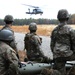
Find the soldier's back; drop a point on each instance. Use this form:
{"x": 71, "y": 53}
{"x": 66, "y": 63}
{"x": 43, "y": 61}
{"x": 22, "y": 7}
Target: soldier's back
{"x": 32, "y": 45}
{"x": 27, "y": 41}
{"x": 3, "y": 65}
{"x": 62, "y": 36}
{"x": 32, "y": 39}
{"x": 6, "y": 55}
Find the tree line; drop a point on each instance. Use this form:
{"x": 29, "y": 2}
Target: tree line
{"x": 39, "y": 21}
{"x": 28, "y": 21}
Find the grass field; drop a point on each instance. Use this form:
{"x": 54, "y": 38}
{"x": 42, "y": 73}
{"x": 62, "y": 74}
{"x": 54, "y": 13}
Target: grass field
{"x": 44, "y": 30}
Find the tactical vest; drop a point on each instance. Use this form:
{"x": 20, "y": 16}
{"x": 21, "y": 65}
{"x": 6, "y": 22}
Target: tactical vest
{"x": 27, "y": 41}
{"x": 29, "y": 46}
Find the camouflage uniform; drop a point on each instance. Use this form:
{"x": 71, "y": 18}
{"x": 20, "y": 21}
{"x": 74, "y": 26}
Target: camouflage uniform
{"x": 9, "y": 18}
{"x": 62, "y": 41}
{"x": 33, "y": 44}
{"x": 47, "y": 71}
{"x": 8, "y": 58}
{"x": 33, "y": 47}
{"x": 62, "y": 46}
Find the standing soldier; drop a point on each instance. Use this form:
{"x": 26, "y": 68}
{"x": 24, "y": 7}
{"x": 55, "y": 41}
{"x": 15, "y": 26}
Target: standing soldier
{"x": 9, "y": 20}
{"x": 8, "y": 58}
{"x": 32, "y": 44}
{"x": 62, "y": 42}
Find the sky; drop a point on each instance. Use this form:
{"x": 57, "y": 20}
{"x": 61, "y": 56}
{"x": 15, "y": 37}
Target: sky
{"x": 50, "y": 8}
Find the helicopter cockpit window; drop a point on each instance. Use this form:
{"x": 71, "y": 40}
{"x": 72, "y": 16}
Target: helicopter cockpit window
{"x": 39, "y": 10}
{"x": 34, "y": 10}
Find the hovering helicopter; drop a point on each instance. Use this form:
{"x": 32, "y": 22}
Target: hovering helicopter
{"x": 35, "y": 11}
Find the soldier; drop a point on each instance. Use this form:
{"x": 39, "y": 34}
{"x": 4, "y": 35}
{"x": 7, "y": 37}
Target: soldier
{"x": 62, "y": 42}
{"x": 8, "y": 58}
{"x": 9, "y": 20}
{"x": 32, "y": 44}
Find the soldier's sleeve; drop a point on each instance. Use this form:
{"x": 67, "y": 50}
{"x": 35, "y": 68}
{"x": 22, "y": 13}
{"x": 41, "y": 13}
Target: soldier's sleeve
{"x": 13, "y": 45}
{"x": 24, "y": 42}
{"x": 13, "y": 61}
{"x": 36, "y": 41}
{"x": 72, "y": 40}
{"x": 52, "y": 42}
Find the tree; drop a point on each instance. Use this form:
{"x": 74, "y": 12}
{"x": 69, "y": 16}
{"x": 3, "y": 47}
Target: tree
{"x": 72, "y": 19}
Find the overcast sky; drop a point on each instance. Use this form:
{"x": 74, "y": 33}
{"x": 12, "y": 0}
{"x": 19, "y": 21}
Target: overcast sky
{"x": 49, "y": 7}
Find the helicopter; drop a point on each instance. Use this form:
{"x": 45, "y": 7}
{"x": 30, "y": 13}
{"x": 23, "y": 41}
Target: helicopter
{"x": 36, "y": 10}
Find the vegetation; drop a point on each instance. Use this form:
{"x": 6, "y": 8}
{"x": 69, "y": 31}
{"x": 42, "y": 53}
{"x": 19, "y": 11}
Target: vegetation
{"x": 39, "y": 21}
{"x": 43, "y": 29}
{"x": 27, "y": 21}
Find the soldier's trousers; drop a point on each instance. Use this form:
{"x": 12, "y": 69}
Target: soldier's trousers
{"x": 59, "y": 63}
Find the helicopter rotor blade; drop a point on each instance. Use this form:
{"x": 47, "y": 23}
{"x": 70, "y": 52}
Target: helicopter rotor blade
{"x": 30, "y": 6}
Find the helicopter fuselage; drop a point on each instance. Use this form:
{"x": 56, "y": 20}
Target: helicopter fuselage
{"x": 35, "y": 11}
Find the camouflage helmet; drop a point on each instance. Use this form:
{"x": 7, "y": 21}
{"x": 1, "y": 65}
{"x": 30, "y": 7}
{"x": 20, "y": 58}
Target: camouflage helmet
{"x": 63, "y": 14}
{"x": 32, "y": 26}
{"x": 6, "y": 35}
{"x": 8, "y": 18}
